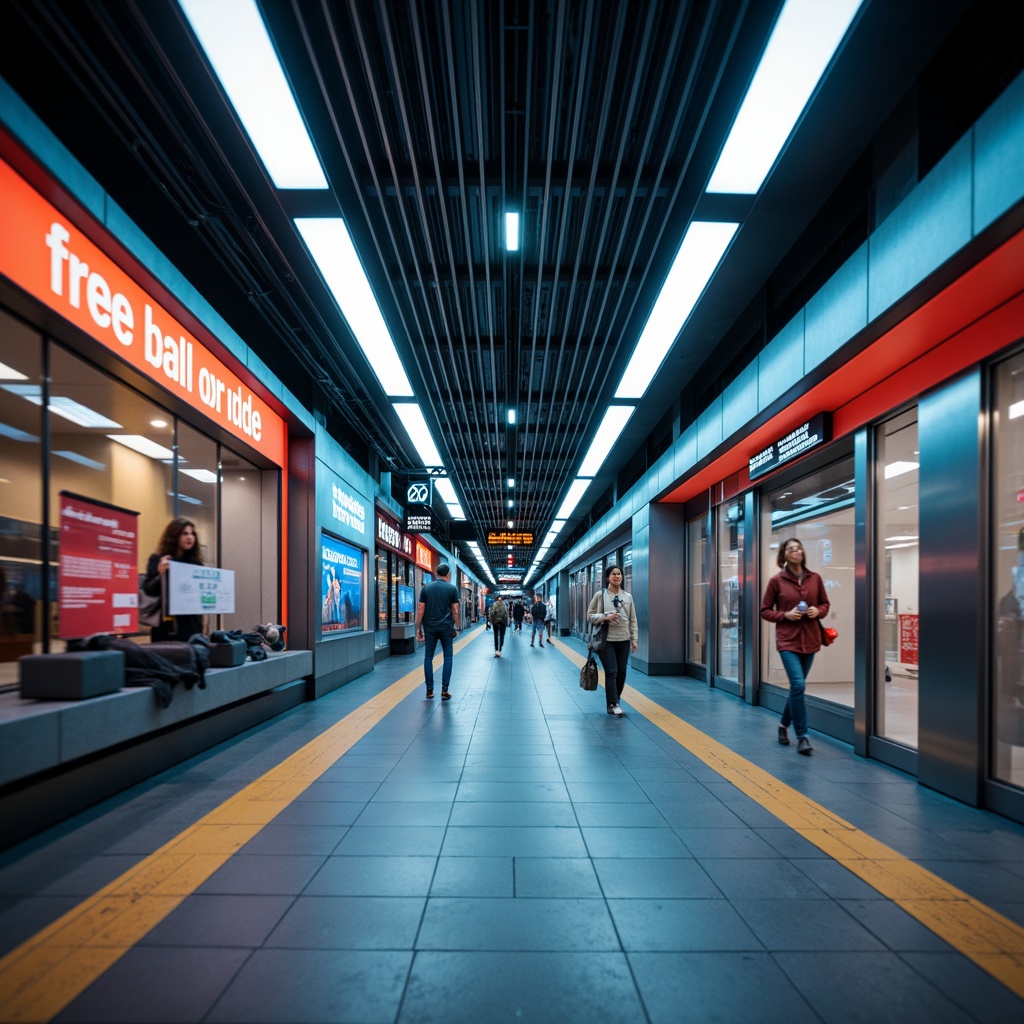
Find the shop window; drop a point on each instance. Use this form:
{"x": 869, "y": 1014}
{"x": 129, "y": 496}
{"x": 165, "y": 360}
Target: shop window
{"x": 818, "y": 510}
{"x": 730, "y": 588}
{"x": 1008, "y": 574}
{"x": 896, "y": 561}
{"x": 109, "y": 444}
{"x": 198, "y": 493}
{"x": 697, "y": 569}
{"x": 21, "y": 498}
{"x": 248, "y": 537}
{"x": 627, "y": 568}
{"x": 383, "y": 574}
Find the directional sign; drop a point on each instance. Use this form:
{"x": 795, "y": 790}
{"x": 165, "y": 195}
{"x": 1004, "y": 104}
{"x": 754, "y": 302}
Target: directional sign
{"x": 418, "y": 492}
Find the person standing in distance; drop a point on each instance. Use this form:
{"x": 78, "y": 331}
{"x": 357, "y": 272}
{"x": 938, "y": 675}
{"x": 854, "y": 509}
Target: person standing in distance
{"x": 537, "y": 614}
{"x": 518, "y": 613}
{"x": 499, "y": 620}
{"x": 795, "y": 600}
{"x": 178, "y": 543}
{"x": 614, "y": 606}
{"x": 437, "y": 619}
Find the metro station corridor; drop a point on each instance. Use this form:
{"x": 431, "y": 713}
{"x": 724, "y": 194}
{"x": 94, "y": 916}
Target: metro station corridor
{"x": 516, "y": 854}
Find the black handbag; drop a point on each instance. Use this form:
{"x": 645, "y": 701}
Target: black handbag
{"x": 151, "y": 609}
{"x": 588, "y": 674}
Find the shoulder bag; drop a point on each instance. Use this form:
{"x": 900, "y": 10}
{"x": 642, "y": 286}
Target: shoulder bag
{"x": 598, "y": 634}
{"x": 829, "y": 635}
{"x": 151, "y": 609}
{"x": 588, "y": 674}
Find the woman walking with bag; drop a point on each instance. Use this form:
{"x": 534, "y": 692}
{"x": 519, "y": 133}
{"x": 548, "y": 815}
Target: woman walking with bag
{"x": 614, "y": 607}
{"x": 795, "y": 600}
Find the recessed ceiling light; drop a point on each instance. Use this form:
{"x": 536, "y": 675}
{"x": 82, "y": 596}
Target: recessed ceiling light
{"x": 158, "y": 423}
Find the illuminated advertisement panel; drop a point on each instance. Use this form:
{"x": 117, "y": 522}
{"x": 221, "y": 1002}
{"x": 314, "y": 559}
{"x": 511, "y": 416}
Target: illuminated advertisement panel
{"x": 343, "y": 586}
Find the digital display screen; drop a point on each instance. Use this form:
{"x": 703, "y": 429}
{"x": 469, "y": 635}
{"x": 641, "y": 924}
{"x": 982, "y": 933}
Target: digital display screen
{"x": 343, "y": 585}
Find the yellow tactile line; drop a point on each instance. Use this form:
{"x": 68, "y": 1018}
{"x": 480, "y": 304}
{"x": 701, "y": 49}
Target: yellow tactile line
{"x": 42, "y": 976}
{"x": 993, "y": 942}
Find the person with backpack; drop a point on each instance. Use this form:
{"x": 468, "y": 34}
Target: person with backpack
{"x": 499, "y": 620}
{"x": 538, "y": 613}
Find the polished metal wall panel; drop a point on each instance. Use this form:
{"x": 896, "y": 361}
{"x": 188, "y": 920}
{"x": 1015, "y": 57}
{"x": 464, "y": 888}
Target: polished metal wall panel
{"x": 952, "y": 590}
{"x": 662, "y": 640}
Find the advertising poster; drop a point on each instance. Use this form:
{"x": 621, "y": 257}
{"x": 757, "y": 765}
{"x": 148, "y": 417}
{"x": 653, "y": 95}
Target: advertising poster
{"x": 405, "y": 598}
{"x": 908, "y": 639}
{"x": 99, "y": 568}
{"x": 342, "y": 585}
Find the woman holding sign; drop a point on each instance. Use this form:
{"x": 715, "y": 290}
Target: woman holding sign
{"x": 179, "y": 543}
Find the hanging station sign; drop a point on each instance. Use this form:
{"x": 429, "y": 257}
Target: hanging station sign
{"x": 804, "y": 438}
{"x": 516, "y": 538}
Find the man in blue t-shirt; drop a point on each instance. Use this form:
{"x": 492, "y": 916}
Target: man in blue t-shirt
{"x": 437, "y": 619}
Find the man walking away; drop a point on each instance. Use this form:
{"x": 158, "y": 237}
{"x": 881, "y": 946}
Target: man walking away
{"x": 538, "y": 613}
{"x": 437, "y": 619}
{"x": 499, "y": 619}
{"x": 518, "y": 613}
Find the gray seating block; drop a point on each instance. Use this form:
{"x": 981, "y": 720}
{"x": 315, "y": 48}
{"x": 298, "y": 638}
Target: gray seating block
{"x": 71, "y": 675}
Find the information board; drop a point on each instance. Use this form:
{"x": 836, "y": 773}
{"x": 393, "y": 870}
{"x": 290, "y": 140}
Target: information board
{"x": 99, "y": 574}
{"x": 199, "y": 589}
{"x": 908, "y": 639}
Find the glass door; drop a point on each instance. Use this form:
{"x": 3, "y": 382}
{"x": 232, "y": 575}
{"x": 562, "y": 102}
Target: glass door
{"x": 896, "y": 560}
{"x": 729, "y": 593}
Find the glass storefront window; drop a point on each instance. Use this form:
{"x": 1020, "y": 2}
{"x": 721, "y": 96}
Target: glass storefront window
{"x": 730, "y": 587}
{"x": 627, "y": 568}
{"x": 21, "y": 498}
{"x": 896, "y": 559}
{"x": 1008, "y": 573}
{"x": 197, "y": 495}
{"x": 818, "y": 510}
{"x": 697, "y": 590}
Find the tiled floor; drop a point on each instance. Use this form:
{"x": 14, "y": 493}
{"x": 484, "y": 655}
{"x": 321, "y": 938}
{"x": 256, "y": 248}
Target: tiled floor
{"x": 515, "y": 854}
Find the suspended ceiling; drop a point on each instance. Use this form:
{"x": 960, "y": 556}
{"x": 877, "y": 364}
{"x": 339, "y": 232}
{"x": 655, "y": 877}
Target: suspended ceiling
{"x": 599, "y": 121}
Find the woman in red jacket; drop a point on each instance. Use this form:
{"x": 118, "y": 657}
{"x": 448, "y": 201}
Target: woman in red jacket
{"x": 795, "y": 600}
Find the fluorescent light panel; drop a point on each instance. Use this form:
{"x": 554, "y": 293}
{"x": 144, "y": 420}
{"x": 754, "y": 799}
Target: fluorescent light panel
{"x": 1016, "y": 410}
{"x": 512, "y": 232}
{"x": 82, "y": 460}
{"x": 330, "y": 245}
{"x": 14, "y": 434}
{"x": 444, "y": 486}
{"x": 455, "y": 511}
{"x": 899, "y": 468}
{"x": 698, "y": 257}
{"x": 238, "y": 47}
{"x": 416, "y": 427}
{"x": 614, "y": 422}
{"x": 142, "y": 445}
{"x": 204, "y": 476}
{"x": 69, "y": 409}
{"x": 576, "y": 491}
{"x": 9, "y": 373}
{"x": 801, "y": 45}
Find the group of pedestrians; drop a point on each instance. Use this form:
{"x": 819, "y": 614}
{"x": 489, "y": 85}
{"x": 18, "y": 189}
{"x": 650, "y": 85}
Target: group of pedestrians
{"x": 794, "y": 600}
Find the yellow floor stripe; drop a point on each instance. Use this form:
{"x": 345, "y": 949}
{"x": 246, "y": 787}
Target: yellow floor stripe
{"x": 43, "y": 975}
{"x": 990, "y": 940}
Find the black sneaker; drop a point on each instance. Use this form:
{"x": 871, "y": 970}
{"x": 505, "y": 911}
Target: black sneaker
{"x": 803, "y": 745}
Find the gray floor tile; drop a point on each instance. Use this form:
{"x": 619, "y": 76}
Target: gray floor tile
{"x": 223, "y": 921}
{"x": 263, "y": 875}
{"x": 893, "y": 926}
{"x": 474, "y": 876}
{"x": 348, "y": 922}
{"x": 518, "y": 815}
{"x": 977, "y": 993}
{"x": 313, "y": 986}
{"x": 752, "y": 879}
{"x": 384, "y": 840}
{"x": 296, "y": 839}
{"x": 414, "y": 790}
{"x": 543, "y": 988}
{"x": 681, "y": 925}
{"x": 21, "y": 918}
{"x": 648, "y": 878}
{"x": 726, "y": 987}
{"x": 556, "y": 877}
{"x": 373, "y": 876}
{"x": 519, "y": 792}
{"x": 145, "y": 986}
{"x": 806, "y": 925}
{"x": 428, "y": 813}
{"x": 633, "y": 842}
{"x": 320, "y": 812}
{"x": 555, "y": 925}
{"x": 486, "y": 841}
{"x": 642, "y": 815}
{"x": 725, "y": 843}
{"x": 834, "y": 984}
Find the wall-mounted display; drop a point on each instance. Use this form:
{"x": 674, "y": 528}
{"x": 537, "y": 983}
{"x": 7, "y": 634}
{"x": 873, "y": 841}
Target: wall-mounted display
{"x": 343, "y": 585}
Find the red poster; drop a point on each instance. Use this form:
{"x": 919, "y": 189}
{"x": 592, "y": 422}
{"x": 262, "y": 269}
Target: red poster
{"x": 99, "y": 568}
{"x": 908, "y": 639}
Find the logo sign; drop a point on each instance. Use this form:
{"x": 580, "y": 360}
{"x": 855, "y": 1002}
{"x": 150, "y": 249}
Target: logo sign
{"x": 511, "y": 576}
{"x": 418, "y": 492}
{"x": 508, "y": 537}
{"x": 416, "y": 523}
{"x": 804, "y": 438}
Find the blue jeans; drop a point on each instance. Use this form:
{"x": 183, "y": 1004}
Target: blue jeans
{"x": 430, "y": 641}
{"x": 798, "y": 667}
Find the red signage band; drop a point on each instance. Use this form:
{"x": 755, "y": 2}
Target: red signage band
{"x": 42, "y": 252}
